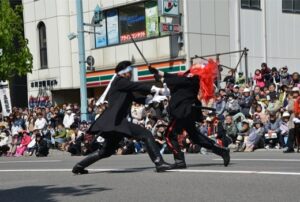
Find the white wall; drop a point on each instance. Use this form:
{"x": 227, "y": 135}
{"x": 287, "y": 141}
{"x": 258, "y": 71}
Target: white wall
{"x": 270, "y": 35}
{"x": 208, "y": 28}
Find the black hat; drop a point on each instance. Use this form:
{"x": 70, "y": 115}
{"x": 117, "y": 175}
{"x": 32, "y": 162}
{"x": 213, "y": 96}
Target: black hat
{"x": 122, "y": 65}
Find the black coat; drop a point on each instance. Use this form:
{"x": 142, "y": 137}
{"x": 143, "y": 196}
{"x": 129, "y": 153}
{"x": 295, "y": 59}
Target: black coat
{"x": 120, "y": 97}
{"x": 184, "y": 91}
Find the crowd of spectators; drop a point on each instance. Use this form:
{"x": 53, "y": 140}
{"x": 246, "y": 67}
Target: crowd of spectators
{"x": 263, "y": 113}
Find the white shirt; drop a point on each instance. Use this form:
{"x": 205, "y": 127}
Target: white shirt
{"x": 40, "y": 123}
{"x": 68, "y": 120}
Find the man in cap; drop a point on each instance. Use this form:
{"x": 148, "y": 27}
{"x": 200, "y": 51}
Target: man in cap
{"x": 113, "y": 124}
{"x": 184, "y": 92}
{"x": 246, "y": 101}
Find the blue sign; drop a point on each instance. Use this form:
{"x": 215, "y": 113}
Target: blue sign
{"x": 100, "y": 36}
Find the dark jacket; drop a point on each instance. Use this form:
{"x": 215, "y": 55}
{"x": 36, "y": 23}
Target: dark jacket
{"x": 120, "y": 97}
{"x": 184, "y": 91}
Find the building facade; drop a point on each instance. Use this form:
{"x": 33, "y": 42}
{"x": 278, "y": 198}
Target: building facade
{"x": 207, "y": 27}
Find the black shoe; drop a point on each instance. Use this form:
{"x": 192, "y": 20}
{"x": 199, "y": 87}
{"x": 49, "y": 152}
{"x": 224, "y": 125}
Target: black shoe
{"x": 223, "y": 152}
{"x": 79, "y": 170}
{"x": 163, "y": 167}
{"x": 289, "y": 151}
{"x": 179, "y": 165}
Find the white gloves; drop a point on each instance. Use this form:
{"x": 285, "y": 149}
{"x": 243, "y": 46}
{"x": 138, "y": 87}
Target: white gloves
{"x": 156, "y": 90}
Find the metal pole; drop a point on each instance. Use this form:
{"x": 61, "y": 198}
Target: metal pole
{"x": 81, "y": 52}
{"x": 246, "y": 64}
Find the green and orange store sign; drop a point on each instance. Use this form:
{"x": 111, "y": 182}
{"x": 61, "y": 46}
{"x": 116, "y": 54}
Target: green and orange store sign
{"x": 102, "y": 78}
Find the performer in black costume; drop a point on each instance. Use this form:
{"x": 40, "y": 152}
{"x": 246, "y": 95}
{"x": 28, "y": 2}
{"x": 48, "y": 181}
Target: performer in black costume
{"x": 113, "y": 124}
{"x": 184, "y": 90}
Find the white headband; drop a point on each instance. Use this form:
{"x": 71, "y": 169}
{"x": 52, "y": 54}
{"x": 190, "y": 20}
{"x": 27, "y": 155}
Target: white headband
{"x": 127, "y": 69}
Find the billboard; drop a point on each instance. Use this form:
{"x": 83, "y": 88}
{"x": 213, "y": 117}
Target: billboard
{"x": 100, "y": 35}
{"x": 152, "y": 26}
{"x": 169, "y": 7}
{"x": 112, "y": 27}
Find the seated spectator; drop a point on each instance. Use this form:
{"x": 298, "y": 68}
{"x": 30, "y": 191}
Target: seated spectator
{"x": 273, "y": 106}
{"x": 285, "y": 78}
{"x": 230, "y": 127}
{"x": 69, "y": 118}
{"x": 284, "y": 127}
{"x": 13, "y": 145}
{"x": 232, "y": 106}
{"x": 272, "y": 136}
{"x": 25, "y": 140}
{"x": 219, "y": 105}
{"x": 41, "y": 147}
{"x": 275, "y": 78}
{"x": 272, "y": 94}
{"x": 5, "y": 140}
{"x": 230, "y": 78}
{"x": 241, "y": 80}
{"x": 245, "y": 102}
{"x": 243, "y": 134}
{"x": 159, "y": 135}
{"x": 295, "y": 80}
{"x": 60, "y": 136}
{"x": 266, "y": 73}
{"x": 40, "y": 123}
{"x": 255, "y": 139}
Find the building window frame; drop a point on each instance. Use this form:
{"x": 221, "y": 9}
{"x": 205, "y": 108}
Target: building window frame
{"x": 42, "y": 45}
{"x": 293, "y": 8}
{"x": 251, "y": 4}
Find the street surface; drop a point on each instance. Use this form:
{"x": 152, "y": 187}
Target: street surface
{"x": 258, "y": 176}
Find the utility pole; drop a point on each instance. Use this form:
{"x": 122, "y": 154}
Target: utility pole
{"x": 81, "y": 52}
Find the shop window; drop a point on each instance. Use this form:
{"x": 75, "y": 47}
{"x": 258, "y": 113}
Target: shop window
{"x": 250, "y": 4}
{"x": 100, "y": 34}
{"x": 291, "y": 6}
{"x": 132, "y": 21}
{"x": 43, "y": 45}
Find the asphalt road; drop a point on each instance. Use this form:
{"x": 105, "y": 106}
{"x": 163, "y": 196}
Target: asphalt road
{"x": 258, "y": 176}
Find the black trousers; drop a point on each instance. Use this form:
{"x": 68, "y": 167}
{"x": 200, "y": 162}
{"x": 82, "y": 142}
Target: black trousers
{"x": 292, "y": 134}
{"x": 176, "y": 128}
{"x": 112, "y": 143}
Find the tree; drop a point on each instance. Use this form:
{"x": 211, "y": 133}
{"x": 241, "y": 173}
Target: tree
{"x": 16, "y": 58}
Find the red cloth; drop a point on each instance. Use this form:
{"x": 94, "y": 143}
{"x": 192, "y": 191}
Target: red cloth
{"x": 26, "y": 139}
{"x": 208, "y": 75}
{"x": 297, "y": 106}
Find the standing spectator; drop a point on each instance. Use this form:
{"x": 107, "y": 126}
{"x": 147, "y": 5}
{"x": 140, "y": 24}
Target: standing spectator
{"x": 69, "y": 118}
{"x": 266, "y": 73}
{"x": 285, "y": 127}
{"x": 259, "y": 79}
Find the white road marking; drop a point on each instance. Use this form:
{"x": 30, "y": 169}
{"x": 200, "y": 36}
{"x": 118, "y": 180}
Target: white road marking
{"x": 41, "y": 161}
{"x": 57, "y": 170}
{"x": 276, "y": 160}
{"x": 237, "y": 172}
{"x": 181, "y": 171}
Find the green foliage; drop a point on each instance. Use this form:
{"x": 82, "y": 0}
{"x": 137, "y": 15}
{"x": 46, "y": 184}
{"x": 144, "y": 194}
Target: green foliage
{"x": 16, "y": 58}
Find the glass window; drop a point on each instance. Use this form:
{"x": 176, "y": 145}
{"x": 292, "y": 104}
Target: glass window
{"x": 132, "y": 21}
{"x": 250, "y": 4}
{"x": 43, "y": 45}
{"x": 292, "y": 6}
